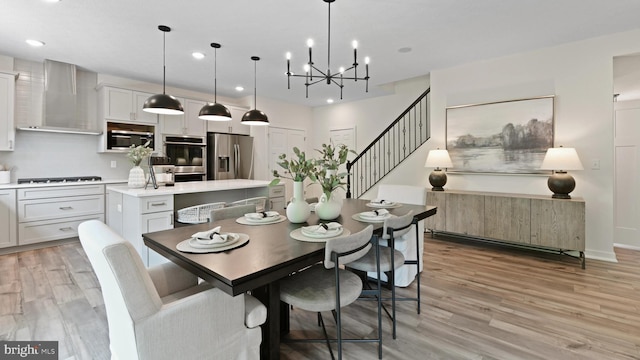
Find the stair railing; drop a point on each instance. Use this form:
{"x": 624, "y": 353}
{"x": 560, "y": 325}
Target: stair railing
{"x": 399, "y": 140}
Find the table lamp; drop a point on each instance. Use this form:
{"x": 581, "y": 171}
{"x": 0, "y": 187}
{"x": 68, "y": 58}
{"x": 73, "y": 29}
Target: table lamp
{"x": 560, "y": 160}
{"x": 436, "y": 159}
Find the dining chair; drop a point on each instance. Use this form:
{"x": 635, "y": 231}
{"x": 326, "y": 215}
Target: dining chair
{"x": 260, "y": 202}
{"x": 327, "y": 286}
{"x": 231, "y": 212}
{"x": 411, "y": 244}
{"x": 164, "y": 312}
{"x": 389, "y": 259}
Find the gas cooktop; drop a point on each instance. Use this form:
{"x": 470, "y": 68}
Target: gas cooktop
{"x": 73, "y": 179}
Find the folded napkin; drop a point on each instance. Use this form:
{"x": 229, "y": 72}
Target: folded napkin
{"x": 322, "y": 228}
{"x": 375, "y": 213}
{"x": 209, "y": 237}
{"x": 382, "y": 202}
{"x": 261, "y": 215}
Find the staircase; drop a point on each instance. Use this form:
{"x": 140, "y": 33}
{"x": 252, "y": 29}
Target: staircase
{"x": 399, "y": 140}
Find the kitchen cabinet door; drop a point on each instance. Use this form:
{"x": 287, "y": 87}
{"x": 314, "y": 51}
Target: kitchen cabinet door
{"x": 138, "y": 114}
{"x": 7, "y": 103}
{"x": 155, "y": 222}
{"x": 234, "y": 126}
{"x": 187, "y": 124}
{"x": 8, "y": 220}
{"x": 124, "y": 105}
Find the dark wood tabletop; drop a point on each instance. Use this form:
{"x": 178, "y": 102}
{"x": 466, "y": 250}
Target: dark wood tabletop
{"x": 270, "y": 254}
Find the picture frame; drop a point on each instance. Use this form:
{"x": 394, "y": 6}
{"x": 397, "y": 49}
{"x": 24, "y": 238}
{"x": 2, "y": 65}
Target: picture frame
{"x": 506, "y": 137}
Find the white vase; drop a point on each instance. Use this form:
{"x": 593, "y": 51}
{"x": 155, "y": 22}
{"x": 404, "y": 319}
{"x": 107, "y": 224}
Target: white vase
{"x": 298, "y": 209}
{"x": 328, "y": 209}
{"x": 136, "y": 177}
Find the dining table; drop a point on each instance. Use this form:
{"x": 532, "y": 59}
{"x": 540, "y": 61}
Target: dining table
{"x": 270, "y": 254}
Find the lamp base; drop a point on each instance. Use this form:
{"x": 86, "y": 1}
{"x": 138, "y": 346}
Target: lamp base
{"x": 437, "y": 179}
{"x": 561, "y": 184}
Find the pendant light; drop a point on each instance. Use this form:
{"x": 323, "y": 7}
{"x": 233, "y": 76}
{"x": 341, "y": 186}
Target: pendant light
{"x": 214, "y": 111}
{"x": 255, "y": 117}
{"x": 162, "y": 103}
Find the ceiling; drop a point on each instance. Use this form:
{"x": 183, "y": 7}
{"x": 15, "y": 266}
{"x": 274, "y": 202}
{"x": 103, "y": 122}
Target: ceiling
{"x": 121, "y": 37}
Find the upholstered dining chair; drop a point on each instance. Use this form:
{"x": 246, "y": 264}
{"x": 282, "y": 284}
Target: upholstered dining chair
{"x": 163, "y": 312}
{"x": 328, "y": 287}
{"x": 411, "y": 244}
{"x": 231, "y": 212}
{"x": 388, "y": 259}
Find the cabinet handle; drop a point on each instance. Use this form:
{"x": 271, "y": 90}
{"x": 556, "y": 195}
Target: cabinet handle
{"x": 68, "y": 228}
{"x": 159, "y": 204}
{"x": 66, "y": 208}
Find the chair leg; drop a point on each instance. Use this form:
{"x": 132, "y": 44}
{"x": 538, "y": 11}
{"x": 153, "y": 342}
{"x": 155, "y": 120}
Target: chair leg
{"x": 418, "y": 262}
{"x": 392, "y": 281}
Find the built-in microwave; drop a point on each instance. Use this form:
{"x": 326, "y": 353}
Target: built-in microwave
{"x": 120, "y": 136}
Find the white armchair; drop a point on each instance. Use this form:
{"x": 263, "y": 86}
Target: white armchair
{"x": 416, "y": 195}
{"x": 163, "y": 313}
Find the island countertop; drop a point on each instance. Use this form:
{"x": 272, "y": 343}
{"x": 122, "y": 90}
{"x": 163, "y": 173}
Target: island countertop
{"x": 190, "y": 187}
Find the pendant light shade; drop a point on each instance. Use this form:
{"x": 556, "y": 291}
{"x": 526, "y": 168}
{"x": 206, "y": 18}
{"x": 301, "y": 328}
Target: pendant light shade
{"x": 255, "y": 117}
{"x": 163, "y": 103}
{"x": 214, "y": 111}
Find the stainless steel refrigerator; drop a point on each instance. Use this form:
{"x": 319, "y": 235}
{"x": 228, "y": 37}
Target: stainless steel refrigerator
{"x": 229, "y": 156}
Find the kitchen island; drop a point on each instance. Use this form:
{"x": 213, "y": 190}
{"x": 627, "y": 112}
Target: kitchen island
{"x": 133, "y": 212}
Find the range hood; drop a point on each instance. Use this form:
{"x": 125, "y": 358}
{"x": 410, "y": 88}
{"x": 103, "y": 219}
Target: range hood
{"x": 67, "y": 91}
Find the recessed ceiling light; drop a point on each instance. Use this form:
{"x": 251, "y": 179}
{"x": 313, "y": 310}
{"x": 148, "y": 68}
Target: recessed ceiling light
{"x": 239, "y": 88}
{"x": 198, "y": 55}
{"x": 329, "y": 101}
{"x": 404, "y": 49}
{"x": 35, "y": 43}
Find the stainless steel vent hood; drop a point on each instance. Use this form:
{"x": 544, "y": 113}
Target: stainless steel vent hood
{"x": 67, "y": 94}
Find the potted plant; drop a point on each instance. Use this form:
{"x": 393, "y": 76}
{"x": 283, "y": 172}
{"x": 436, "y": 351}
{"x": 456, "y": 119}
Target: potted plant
{"x": 297, "y": 170}
{"x": 326, "y": 174}
{"x": 136, "y": 154}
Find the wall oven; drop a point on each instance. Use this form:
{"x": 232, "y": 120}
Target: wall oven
{"x": 188, "y": 154}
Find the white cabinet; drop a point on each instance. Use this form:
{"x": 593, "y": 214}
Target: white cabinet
{"x": 187, "y": 124}
{"x": 276, "y": 197}
{"x": 7, "y": 106}
{"x": 54, "y": 212}
{"x": 123, "y": 105}
{"x": 234, "y": 126}
{"x": 8, "y": 233}
{"x": 133, "y": 216}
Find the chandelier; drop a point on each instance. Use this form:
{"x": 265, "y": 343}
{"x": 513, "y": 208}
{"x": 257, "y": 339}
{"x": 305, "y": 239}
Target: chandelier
{"x": 314, "y": 75}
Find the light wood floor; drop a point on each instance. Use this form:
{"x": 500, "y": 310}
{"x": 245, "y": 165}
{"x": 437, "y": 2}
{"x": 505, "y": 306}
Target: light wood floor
{"x": 478, "y": 302}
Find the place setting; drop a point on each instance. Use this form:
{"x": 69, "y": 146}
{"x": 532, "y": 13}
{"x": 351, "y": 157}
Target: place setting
{"x": 373, "y": 216}
{"x": 383, "y": 204}
{"x": 320, "y": 232}
{"x": 261, "y": 218}
{"x": 212, "y": 241}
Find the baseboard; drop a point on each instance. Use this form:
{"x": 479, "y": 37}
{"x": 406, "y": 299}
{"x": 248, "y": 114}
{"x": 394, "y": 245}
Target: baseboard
{"x": 625, "y": 246}
{"x": 608, "y": 256}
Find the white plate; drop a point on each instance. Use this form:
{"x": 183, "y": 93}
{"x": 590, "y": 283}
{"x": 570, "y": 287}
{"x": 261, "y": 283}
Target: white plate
{"x": 387, "y": 205}
{"x": 185, "y": 247}
{"x": 244, "y": 221}
{"x": 263, "y": 220}
{"x": 298, "y": 235}
{"x": 370, "y": 219}
{"x": 231, "y": 239}
{"x": 328, "y": 234}
{"x": 369, "y": 215}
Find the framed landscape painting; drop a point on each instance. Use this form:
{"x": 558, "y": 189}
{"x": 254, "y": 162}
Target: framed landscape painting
{"x": 508, "y": 137}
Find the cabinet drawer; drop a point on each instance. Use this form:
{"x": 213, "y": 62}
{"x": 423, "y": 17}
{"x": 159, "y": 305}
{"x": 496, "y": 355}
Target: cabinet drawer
{"x": 44, "y": 209}
{"x": 156, "y": 204}
{"x": 276, "y": 191}
{"x": 59, "y": 191}
{"x": 40, "y": 231}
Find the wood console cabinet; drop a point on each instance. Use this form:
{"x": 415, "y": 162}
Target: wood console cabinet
{"x": 525, "y": 220}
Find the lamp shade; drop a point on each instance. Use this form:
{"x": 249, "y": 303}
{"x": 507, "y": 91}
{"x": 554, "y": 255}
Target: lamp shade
{"x": 255, "y": 117}
{"x": 438, "y": 158}
{"x": 215, "y": 112}
{"x": 163, "y": 104}
{"x": 561, "y": 158}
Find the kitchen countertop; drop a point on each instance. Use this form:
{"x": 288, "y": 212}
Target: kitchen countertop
{"x": 75, "y": 183}
{"x": 190, "y": 187}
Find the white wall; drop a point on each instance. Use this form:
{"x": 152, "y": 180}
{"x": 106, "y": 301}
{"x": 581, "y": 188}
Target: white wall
{"x": 580, "y": 74}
